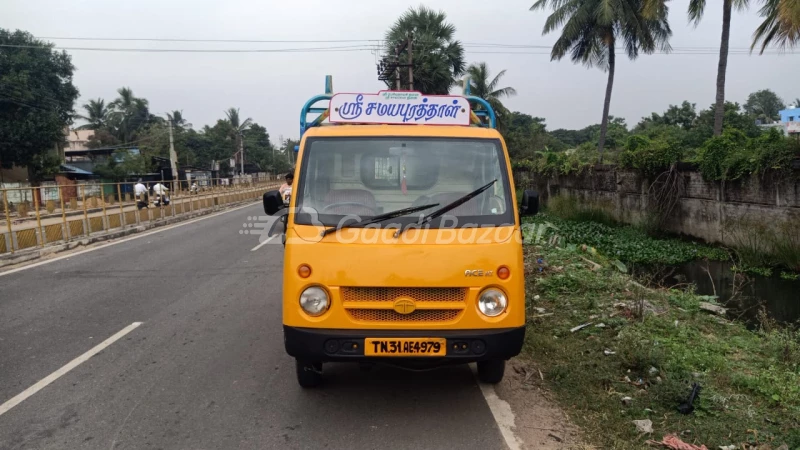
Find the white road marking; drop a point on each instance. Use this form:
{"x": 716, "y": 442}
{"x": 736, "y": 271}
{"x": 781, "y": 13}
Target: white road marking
{"x": 135, "y": 236}
{"x": 261, "y": 244}
{"x": 502, "y": 413}
{"x": 5, "y": 407}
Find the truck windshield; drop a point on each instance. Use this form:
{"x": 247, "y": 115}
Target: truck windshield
{"x": 347, "y": 180}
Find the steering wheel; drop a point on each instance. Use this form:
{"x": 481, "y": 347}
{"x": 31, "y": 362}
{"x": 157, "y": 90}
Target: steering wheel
{"x": 361, "y": 205}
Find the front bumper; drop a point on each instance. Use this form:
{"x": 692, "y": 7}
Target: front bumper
{"x": 330, "y": 345}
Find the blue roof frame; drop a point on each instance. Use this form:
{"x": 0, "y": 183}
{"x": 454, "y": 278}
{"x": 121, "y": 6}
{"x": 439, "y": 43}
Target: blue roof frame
{"x": 309, "y": 107}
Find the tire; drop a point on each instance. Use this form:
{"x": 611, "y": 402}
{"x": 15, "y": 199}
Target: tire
{"x": 309, "y": 375}
{"x": 492, "y": 371}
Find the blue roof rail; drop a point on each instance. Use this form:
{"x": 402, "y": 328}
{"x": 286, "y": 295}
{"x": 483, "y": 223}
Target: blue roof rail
{"x": 482, "y": 114}
{"x": 486, "y": 109}
{"x": 309, "y": 107}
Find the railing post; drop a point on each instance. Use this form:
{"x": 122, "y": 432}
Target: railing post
{"x": 85, "y": 214}
{"x": 38, "y": 218}
{"x": 103, "y": 198}
{"x": 8, "y": 221}
{"x": 121, "y": 206}
{"x": 67, "y": 235}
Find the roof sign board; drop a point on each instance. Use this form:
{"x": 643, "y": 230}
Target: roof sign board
{"x": 399, "y": 108}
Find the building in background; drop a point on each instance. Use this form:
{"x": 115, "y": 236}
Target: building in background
{"x": 790, "y": 119}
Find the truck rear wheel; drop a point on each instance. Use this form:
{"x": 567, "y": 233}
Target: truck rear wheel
{"x": 309, "y": 375}
{"x": 492, "y": 371}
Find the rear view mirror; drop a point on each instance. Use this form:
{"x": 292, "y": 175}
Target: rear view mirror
{"x": 530, "y": 203}
{"x": 272, "y": 202}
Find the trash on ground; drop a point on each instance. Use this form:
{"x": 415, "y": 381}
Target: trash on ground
{"x": 688, "y": 407}
{"x": 608, "y": 352}
{"x": 644, "y": 426}
{"x": 627, "y": 401}
{"x": 716, "y": 309}
{"x": 580, "y": 327}
{"x": 675, "y": 443}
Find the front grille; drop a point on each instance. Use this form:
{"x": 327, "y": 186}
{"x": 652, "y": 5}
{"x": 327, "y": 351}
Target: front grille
{"x": 390, "y": 294}
{"x": 432, "y": 298}
{"x": 389, "y": 315}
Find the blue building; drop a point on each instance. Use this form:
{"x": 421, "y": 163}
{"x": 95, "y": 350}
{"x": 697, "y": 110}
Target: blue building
{"x": 790, "y": 118}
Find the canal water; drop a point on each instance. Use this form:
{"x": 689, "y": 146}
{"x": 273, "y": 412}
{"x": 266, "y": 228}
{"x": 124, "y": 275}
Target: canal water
{"x": 744, "y": 294}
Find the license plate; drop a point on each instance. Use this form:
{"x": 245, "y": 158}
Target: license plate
{"x": 405, "y": 347}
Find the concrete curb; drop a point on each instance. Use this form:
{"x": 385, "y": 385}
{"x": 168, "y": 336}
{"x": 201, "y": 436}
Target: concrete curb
{"x": 33, "y": 254}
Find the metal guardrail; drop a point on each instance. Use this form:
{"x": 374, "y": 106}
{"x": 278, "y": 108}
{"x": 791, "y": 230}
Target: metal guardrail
{"x": 53, "y": 214}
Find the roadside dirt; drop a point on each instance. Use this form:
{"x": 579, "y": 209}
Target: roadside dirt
{"x": 539, "y": 422}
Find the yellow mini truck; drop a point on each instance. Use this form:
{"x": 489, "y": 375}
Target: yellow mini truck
{"x": 402, "y": 239}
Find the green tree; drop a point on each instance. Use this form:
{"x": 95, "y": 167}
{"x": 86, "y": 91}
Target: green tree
{"x": 781, "y": 25}
{"x": 593, "y": 28}
{"x": 438, "y": 58}
{"x": 122, "y": 164}
{"x": 764, "y": 105}
{"x": 36, "y": 102}
{"x": 97, "y": 115}
{"x": 696, "y": 10}
{"x": 682, "y": 116}
{"x": 130, "y": 114}
{"x": 177, "y": 119}
{"x": 236, "y": 126}
{"x": 481, "y": 86}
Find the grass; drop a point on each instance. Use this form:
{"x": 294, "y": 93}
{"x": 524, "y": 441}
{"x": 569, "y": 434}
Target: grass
{"x": 661, "y": 343}
{"x": 627, "y": 243}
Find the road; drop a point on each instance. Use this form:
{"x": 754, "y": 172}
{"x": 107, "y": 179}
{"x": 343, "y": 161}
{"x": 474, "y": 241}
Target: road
{"x": 206, "y": 368}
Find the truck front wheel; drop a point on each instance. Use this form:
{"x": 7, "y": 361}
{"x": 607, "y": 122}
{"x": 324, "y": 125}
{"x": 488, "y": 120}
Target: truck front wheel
{"x": 492, "y": 371}
{"x": 309, "y": 375}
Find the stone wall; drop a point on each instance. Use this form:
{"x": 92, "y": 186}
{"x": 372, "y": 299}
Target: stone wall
{"x": 702, "y": 210}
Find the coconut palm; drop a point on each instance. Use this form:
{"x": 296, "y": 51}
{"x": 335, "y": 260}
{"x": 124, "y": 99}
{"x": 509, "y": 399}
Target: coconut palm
{"x": 696, "y": 10}
{"x": 177, "y": 120}
{"x": 481, "y": 86}
{"x": 130, "y": 114}
{"x": 781, "y": 24}
{"x": 593, "y": 28}
{"x": 97, "y": 115}
{"x": 236, "y": 126}
{"x": 437, "y": 57}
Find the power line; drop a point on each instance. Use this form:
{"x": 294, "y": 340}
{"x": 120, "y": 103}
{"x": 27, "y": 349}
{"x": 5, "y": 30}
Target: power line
{"x": 372, "y": 41}
{"x": 210, "y": 40}
{"x": 185, "y": 50}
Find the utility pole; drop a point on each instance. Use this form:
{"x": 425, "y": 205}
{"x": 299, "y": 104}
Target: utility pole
{"x": 410, "y": 62}
{"x": 173, "y": 157}
{"x": 241, "y": 152}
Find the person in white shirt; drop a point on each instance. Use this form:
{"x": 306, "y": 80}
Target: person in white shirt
{"x": 160, "y": 189}
{"x": 286, "y": 189}
{"x": 140, "y": 192}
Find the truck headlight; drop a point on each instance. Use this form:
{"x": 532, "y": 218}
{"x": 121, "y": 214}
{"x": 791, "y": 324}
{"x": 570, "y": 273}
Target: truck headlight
{"x": 492, "y": 302}
{"x": 314, "y": 301}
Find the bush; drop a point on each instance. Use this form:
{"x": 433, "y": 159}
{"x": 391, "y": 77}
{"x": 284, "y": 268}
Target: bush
{"x": 649, "y": 157}
{"x": 733, "y": 155}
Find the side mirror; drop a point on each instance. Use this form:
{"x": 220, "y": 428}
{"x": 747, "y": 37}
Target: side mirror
{"x": 272, "y": 202}
{"x": 530, "y": 203}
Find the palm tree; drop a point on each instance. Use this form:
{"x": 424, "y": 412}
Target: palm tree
{"x": 781, "y": 24}
{"x": 237, "y": 126}
{"x": 592, "y": 29}
{"x": 437, "y": 57}
{"x": 481, "y": 86}
{"x": 696, "y": 9}
{"x": 130, "y": 113}
{"x": 97, "y": 114}
{"x": 176, "y": 118}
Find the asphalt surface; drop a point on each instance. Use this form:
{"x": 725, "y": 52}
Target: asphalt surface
{"x": 207, "y": 368}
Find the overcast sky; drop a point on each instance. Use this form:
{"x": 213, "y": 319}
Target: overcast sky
{"x": 272, "y": 87}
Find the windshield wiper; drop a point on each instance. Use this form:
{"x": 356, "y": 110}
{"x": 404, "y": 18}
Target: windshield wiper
{"x": 379, "y": 218}
{"x": 449, "y": 207}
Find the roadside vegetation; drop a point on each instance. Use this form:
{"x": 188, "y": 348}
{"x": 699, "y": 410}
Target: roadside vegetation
{"x": 640, "y": 350}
